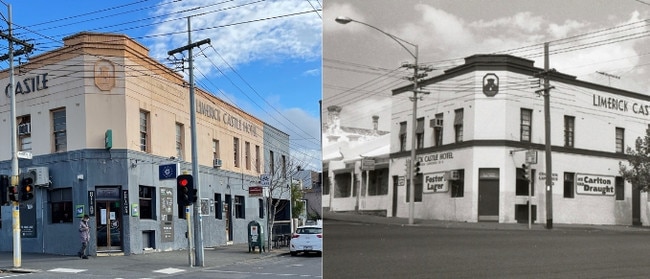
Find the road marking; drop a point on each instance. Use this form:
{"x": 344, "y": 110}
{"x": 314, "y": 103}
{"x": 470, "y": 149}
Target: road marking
{"x": 67, "y": 270}
{"x": 169, "y": 270}
{"x": 262, "y": 273}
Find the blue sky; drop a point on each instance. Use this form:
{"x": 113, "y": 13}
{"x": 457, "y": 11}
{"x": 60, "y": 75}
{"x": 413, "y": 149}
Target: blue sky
{"x": 264, "y": 56}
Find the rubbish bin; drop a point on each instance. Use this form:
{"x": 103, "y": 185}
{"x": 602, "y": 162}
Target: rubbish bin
{"x": 255, "y": 237}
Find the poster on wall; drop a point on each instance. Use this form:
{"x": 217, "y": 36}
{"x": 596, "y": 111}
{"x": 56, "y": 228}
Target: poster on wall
{"x": 28, "y": 219}
{"x": 91, "y": 203}
{"x": 205, "y": 207}
{"x": 435, "y": 183}
{"x": 167, "y": 212}
{"x": 591, "y": 184}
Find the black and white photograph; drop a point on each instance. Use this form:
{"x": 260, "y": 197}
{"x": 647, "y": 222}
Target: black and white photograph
{"x": 485, "y": 139}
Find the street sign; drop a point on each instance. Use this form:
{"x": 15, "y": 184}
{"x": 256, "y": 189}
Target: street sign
{"x": 255, "y": 191}
{"x": 24, "y": 154}
{"x": 265, "y": 180}
{"x": 367, "y": 164}
{"x": 531, "y": 157}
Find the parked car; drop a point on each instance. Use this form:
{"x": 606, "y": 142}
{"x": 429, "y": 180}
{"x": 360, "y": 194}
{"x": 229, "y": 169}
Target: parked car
{"x": 307, "y": 239}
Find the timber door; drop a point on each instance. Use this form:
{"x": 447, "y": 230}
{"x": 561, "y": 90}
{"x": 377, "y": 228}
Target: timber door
{"x": 488, "y": 195}
{"x": 109, "y": 226}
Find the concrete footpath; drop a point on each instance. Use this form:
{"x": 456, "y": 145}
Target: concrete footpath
{"x": 373, "y": 219}
{"x": 114, "y": 265}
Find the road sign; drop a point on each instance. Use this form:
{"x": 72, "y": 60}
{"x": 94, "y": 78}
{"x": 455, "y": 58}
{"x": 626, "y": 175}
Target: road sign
{"x": 24, "y": 154}
{"x": 531, "y": 157}
{"x": 367, "y": 164}
{"x": 265, "y": 180}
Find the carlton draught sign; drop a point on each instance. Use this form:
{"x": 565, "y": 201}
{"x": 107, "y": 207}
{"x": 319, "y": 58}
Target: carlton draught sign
{"x": 590, "y": 184}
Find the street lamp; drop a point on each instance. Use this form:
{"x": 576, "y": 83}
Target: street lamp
{"x": 414, "y": 79}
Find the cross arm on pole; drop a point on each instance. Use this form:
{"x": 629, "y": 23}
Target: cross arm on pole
{"x": 187, "y": 47}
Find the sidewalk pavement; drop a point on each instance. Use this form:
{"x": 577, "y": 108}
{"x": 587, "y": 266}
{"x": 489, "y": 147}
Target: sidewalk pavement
{"x": 374, "y": 219}
{"x": 213, "y": 257}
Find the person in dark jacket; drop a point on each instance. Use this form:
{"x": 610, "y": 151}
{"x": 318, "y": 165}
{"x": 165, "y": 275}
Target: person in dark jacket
{"x": 84, "y": 234}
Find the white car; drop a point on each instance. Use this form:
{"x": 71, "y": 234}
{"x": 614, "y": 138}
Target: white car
{"x": 307, "y": 239}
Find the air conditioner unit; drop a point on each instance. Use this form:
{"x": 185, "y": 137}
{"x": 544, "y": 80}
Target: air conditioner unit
{"x": 454, "y": 175}
{"x": 217, "y": 163}
{"x": 42, "y": 175}
{"x": 437, "y": 123}
{"x": 24, "y": 129}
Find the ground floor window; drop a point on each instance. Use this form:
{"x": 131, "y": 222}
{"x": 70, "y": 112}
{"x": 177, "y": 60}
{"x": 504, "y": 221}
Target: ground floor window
{"x": 620, "y": 188}
{"x": 342, "y": 185}
{"x": 218, "y": 206}
{"x": 240, "y": 207}
{"x": 457, "y": 184}
{"x": 378, "y": 182}
{"x": 61, "y": 205}
{"x": 569, "y": 185}
{"x": 147, "y": 197}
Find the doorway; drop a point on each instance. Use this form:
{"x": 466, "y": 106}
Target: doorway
{"x": 488, "y": 195}
{"x": 226, "y": 209}
{"x": 636, "y": 206}
{"x": 109, "y": 226}
{"x": 395, "y": 184}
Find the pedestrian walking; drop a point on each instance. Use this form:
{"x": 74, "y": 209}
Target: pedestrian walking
{"x": 84, "y": 234}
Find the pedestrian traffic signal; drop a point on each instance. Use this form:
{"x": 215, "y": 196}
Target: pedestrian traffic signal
{"x": 27, "y": 187}
{"x": 186, "y": 194}
{"x": 4, "y": 189}
{"x": 416, "y": 168}
{"x": 12, "y": 190}
{"x": 526, "y": 172}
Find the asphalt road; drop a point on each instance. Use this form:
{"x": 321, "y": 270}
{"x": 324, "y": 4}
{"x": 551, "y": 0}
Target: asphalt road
{"x": 354, "y": 250}
{"x": 269, "y": 268}
{"x": 283, "y": 266}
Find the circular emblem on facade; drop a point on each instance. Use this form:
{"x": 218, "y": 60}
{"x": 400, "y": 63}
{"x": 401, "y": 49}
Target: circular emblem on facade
{"x": 490, "y": 84}
{"x": 104, "y": 75}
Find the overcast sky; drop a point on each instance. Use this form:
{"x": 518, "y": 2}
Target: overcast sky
{"x": 361, "y": 65}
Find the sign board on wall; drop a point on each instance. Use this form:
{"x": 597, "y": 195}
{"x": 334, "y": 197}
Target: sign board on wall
{"x": 591, "y": 184}
{"x": 435, "y": 183}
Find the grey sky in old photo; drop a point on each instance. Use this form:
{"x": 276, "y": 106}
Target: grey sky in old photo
{"x": 604, "y": 42}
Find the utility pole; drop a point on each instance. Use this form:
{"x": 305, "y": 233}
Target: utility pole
{"x": 15, "y": 207}
{"x": 198, "y": 222}
{"x": 547, "y": 135}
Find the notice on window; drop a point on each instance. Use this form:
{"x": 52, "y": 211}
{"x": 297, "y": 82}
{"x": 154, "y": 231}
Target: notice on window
{"x": 102, "y": 215}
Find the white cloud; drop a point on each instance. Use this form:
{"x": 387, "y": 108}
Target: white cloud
{"x": 312, "y": 72}
{"x": 241, "y": 33}
{"x": 558, "y": 31}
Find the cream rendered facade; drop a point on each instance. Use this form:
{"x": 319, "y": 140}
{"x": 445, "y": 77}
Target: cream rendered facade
{"x": 472, "y": 158}
{"x": 108, "y": 82}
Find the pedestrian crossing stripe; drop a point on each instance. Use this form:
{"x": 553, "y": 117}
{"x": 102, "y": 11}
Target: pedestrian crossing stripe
{"x": 67, "y": 270}
{"x": 169, "y": 270}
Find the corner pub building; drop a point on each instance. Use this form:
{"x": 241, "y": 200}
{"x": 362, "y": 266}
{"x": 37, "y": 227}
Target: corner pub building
{"x": 475, "y": 127}
{"x": 109, "y": 130}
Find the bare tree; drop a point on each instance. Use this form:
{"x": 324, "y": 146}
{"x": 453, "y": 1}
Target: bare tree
{"x": 281, "y": 172}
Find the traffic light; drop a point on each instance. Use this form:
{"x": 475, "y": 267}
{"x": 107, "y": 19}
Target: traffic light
{"x": 27, "y": 187}
{"x": 12, "y": 191}
{"x": 186, "y": 194}
{"x": 4, "y": 189}
{"x": 416, "y": 168}
{"x": 526, "y": 172}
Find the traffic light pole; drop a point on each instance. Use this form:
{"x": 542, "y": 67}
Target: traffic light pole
{"x": 15, "y": 207}
{"x": 198, "y": 222}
